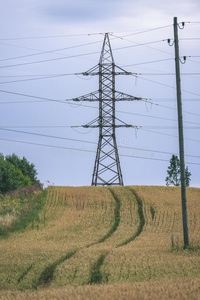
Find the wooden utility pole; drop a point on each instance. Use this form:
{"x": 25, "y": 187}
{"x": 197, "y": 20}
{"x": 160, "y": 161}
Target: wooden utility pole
{"x": 181, "y": 139}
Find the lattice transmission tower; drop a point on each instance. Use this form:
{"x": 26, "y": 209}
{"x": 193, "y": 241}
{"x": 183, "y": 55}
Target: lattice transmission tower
{"x": 107, "y": 169}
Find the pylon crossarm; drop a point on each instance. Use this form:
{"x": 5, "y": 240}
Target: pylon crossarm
{"x": 127, "y": 126}
{"x": 90, "y": 72}
{"x": 109, "y": 126}
{"x": 125, "y": 72}
{"x": 88, "y": 97}
{"x": 119, "y": 96}
{"x": 90, "y": 124}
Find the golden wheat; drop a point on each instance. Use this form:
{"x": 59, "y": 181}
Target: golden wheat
{"x": 127, "y": 235}
{"x": 157, "y": 290}
{"x": 75, "y": 217}
{"x": 150, "y": 255}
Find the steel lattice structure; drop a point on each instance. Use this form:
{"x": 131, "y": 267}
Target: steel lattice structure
{"x": 107, "y": 169}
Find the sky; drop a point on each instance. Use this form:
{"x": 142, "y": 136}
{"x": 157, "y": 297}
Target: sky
{"x": 45, "y": 43}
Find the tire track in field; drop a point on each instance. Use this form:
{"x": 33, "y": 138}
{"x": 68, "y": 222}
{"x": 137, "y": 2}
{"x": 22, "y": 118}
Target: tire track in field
{"x": 116, "y": 220}
{"x": 47, "y": 275}
{"x": 141, "y": 218}
{"x": 96, "y": 276}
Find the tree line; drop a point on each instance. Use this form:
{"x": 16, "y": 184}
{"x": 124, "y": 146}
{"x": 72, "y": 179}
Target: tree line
{"x": 16, "y": 173}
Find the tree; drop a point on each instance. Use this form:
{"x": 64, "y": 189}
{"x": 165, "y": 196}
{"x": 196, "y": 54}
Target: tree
{"x": 24, "y": 166}
{"x": 174, "y": 173}
{"x": 187, "y": 177}
{"x": 11, "y": 178}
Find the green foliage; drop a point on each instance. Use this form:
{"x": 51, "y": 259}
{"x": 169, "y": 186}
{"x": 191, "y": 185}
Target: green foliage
{"x": 24, "y": 166}
{"x": 11, "y": 178}
{"x": 174, "y": 173}
{"x": 22, "y": 211}
{"x": 187, "y": 176}
{"x": 15, "y": 173}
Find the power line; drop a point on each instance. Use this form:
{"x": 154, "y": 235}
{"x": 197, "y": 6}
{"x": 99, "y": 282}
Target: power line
{"x": 64, "y": 102}
{"x": 71, "y": 74}
{"x": 80, "y": 34}
{"x": 192, "y": 60}
{"x": 155, "y": 117}
{"x": 45, "y": 135}
{"x": 78, "y": 140}
{"x": 174, "y": 99}
{"x": 171, "y": 135}
{"x": 59, "y": 101}
{"x": 169, "y": 74}
{"x": 138, "y": 44}
{"x": 189, "y": 39}
{"x": 149, "y": 47}
{"x": 47, "y": 60}
{"x": 67, "y": 74}
{"x": 169, "y": 86}
{"x": 157, "y": 159}
{"x": 50, "y": 51}
{"x": 169, "y": 127}
{"x": 73, "y": 56}
{"x": 50, "y": 36}
{"x": 38, "y": 78}
{"x": 148, "y": 62}
{"x": 164, "y": 106}
{"x": 30, "y": 96}
{"x": 156, "y": 151}
{"x": 84, "y": 150}
{"x": 148, "y": 30}
{"x": 65, "y": 126}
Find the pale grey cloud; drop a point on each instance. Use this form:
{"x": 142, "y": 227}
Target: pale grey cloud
{"x": 97, "y": 11}
{"x": 85, "y": 11}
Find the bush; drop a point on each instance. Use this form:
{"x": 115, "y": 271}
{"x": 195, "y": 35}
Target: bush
{"x": 24, "y": 166}
{"x": 16, "y": 173}
{"x": 11, "y": 178}
{"x": 17, "y": 212}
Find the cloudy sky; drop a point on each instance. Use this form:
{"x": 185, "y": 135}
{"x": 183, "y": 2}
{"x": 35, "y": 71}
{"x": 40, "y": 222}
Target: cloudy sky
{"x": 44, "y": 43}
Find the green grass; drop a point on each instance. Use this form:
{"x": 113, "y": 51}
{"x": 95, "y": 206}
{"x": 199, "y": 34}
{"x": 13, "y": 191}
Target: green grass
{"x": 25, "y": 208}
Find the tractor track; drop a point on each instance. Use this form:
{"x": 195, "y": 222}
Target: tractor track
{"x": 96, "y": 276}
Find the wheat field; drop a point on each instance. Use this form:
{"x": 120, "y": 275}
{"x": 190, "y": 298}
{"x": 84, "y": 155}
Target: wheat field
{"x": 105, "y": 243}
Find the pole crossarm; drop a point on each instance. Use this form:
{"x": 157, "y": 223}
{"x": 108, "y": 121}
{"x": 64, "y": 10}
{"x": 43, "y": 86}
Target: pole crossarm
{"x": 107, "y": 169}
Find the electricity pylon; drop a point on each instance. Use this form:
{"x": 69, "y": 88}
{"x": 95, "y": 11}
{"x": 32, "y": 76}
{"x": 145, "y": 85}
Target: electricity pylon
{"x": 107, "y": 170}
